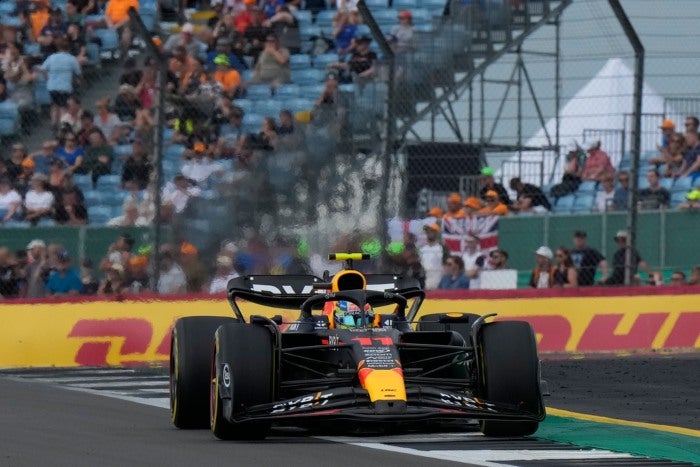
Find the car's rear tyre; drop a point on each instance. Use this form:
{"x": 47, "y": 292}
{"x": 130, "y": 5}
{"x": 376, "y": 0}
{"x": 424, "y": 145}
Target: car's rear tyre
{"x": 241, "y": 376}
{"x": 190, "y": 357}
{"x": 509, "y": 368}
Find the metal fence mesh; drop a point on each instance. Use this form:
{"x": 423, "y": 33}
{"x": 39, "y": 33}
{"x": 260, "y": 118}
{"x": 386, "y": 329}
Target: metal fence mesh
{"x": 509, "y": 85}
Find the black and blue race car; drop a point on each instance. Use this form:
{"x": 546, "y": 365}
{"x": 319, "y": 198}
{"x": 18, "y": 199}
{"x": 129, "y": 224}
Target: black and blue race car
{"x": 355, "y": 352}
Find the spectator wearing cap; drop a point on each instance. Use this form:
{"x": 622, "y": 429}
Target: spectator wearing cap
{"x": 360, "y": 65}
{"x": 529, "y": 197}
{"x": 454, "y": 207}
{"x": 692, "y": 202}
{"x": 10, "y": 201}
{"x": 472, "y": 205}
{"x": 23, "y": 180}
{"x": 60, "y": 68}
{"x": 542, "y": 276}
{"x": 137, "y": 270}
{"x": 179, "y": 191}
{"x": 198, "y": 166}
{"x": 433, "y": 255}
{"x": 618, "y": 267}
{"x": 493, "y": 206}
{"x": 193, "y": 268}
{"x": 401, "y": 36}
{"x": 228, "y": 77}
{"x": 224, "y": 47}
{"x": 587, "y": 260}
{"x": 172, "y": 278}
{"x": 668, "y": 128}
{"x": 436, "y": 212}
{"x": 272, "y": 66}
{"x": 185, "y": 38}
{"x": 64, "y": 280}
{"x": 454, "y": 277}
{"x": 597, "y": 164}
{"x": 38, "y": 202}
{"x": 37, "y": 269}
{"x": 489, "y": 183}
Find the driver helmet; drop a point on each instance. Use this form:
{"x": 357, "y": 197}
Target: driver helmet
{"x": 347, "y": 315}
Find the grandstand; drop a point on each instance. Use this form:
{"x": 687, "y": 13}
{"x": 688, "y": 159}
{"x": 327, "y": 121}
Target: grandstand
{"x": 244, "y": 176}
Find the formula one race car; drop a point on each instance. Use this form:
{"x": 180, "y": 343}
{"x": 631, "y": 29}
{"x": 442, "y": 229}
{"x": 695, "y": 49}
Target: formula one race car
{"x": 353, "y": 354}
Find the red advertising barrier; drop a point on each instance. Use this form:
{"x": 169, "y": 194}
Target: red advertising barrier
{"x": 137, "y": 331}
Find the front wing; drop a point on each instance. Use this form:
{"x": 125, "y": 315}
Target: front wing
{"x": 424, "y": 403}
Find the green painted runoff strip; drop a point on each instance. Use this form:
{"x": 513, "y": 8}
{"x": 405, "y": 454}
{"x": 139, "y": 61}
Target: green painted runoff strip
{"x": 640, "y": 441}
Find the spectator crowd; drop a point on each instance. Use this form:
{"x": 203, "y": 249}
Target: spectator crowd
{"x": 243, "y": 56}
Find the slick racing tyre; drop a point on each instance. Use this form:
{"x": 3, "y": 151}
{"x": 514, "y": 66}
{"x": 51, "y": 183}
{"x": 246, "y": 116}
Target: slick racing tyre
{"x": 509, "y": 374}
{"x": 190, "y": 357}
{"x": 242, "y": 370}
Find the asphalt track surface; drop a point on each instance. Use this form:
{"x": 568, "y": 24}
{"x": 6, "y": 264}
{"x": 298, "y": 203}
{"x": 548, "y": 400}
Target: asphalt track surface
{"x": 48, "y": 425}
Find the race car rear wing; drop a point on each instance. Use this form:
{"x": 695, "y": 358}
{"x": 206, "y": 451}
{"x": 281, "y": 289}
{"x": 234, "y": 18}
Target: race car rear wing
{"x": 291, "y": 291}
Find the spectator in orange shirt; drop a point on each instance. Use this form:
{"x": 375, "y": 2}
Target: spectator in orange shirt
{"x": 117, "y": 18}
{"x": 454, "y": 207}
{"x": 493, "y": 206}
{"x": 229, "y": 78}
{"x": 472, "y": 205}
